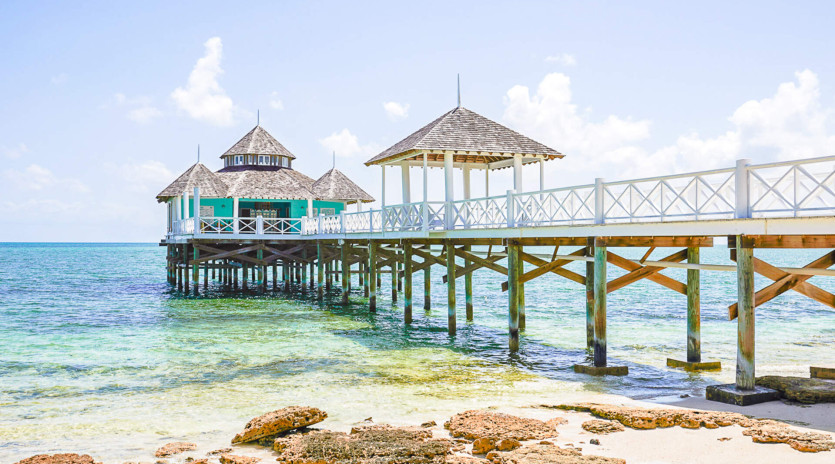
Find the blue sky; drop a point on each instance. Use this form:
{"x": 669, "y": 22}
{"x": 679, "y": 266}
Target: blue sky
{"x": 103, "y": 104}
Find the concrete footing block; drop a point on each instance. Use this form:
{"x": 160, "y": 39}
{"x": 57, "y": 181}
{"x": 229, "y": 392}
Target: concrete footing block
{"x": 730, "y": 394}
{"x": 694, "y": 366}
{"x": 603, "y": 370}
{"x": 822, "y": 373}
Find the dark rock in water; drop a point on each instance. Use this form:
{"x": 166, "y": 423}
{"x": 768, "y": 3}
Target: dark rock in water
{"x": 279, "y": 421}
{"x": 234, "y": 459}
{"x": 220, "y": 451}
{"x": 377, "y": 444}
{"x": 429, "y": 424}
{"x": 800, "y": 389}
{"x": 594, "y": 441}
{"x": 478, "y": 424}
{"x": 601, "y": 427}
{"x": 548, "y": 454}
{"x": 65, "y": 458}
{"x": 177, "y": 447}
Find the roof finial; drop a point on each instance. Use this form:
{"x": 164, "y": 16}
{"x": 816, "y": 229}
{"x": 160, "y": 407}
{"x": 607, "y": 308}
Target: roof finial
{"x": 198, "y": 152}
{"x": 459, "y": 90}
{"x": 334, "y": 159}
{"x": 259, "y": 117}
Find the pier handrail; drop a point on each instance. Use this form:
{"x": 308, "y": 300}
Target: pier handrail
{"x": 804, "y": 187}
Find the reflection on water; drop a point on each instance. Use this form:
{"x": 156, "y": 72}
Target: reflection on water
{"x": 96, "y": 345}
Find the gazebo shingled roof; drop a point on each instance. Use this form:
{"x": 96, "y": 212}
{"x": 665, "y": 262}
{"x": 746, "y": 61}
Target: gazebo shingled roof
{"x": 197, "y": 175}
{"x": 267, "y": 184}
{"x": 258, "y": 142}
{"x": 473, "y": 138}
{"x": 334, "y": 185}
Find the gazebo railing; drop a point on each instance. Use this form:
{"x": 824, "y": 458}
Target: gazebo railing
{"x": 785, "y": 189}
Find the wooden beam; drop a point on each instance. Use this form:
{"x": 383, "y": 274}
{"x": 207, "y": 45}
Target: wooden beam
{"x": 661, "y": 279}
{"x": 570, "y": 275}
{"x": 643, "y": 272}
{"x": 784, "y": 241}
{"x": 672, "y": 242}
{"x": 552, "y": 266}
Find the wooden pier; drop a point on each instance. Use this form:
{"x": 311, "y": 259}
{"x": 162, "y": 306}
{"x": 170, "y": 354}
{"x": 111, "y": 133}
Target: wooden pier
{"x": 787, "y": 205}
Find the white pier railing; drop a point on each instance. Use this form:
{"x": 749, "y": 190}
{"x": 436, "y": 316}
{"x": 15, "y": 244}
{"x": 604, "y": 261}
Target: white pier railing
{"x": 776, "y": 190}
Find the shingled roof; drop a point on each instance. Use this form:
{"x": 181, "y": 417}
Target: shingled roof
{"x": 197, "y": 175}
{"x": 463, "y": 130}
{"x": 273, "y": 184}
{"x": 258, "y": 142}
{"x": 336, "y": 186}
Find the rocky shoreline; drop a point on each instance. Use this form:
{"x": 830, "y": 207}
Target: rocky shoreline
{"x": 469, "y": 437}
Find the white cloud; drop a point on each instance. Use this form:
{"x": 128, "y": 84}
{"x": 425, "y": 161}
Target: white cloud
{"x": 147, "y": 176}
{"x": 396, "y": 110}
{"x": 59, "y": 79}
{"x": 202, "y": 97}
{"x": 38, "y": 178}
{"x": 15, "y": 152}
{"x": 564, "y": 59}
{"x": 141, "y": 109}
{"x": 790, "y": 124}
{"x": 275, "y": 102}
{"x": 346, "y": 144}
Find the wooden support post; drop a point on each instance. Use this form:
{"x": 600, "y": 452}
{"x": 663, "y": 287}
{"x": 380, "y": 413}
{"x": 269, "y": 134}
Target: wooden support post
{"x": 320, "y": 271}
{"x": 745, "y": 323}
{"x": 394, "y": 281}
{"x": 450, "y": 270}
{"x": 329, "y": 275}
{"x": 187, "y": 287}
{"x": 304, "y": 271}
{"x": 599, "y": 306}
{"x": 427, "y": 283}
{"x": 590, "y": 298}
{"x": 521, "y": 295}
{"x": 346, "y": 272}
{"x": 263, "y": 269}
{"x": 287, "y": 275}
{"x": 311, "y": 276}
{"x": 205, "y": 275}
{"x": 513, "y": 276}
{"x": 468, "y": 287}
{"x": 275, "y": 276}
{"x": 694, "y": 337}
{"x": 364, "y": 277}
{"x": 372, "y": 276}
{"x": 407, "y": 274}
{"x": 245, "y": 275}
{"x": 399, "y": 275}
{"x": 235, "y": 278}
{"x": 195, "y": 270}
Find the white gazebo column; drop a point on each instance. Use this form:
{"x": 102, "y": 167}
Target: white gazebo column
{"x": 449, "y": 196}
{"x": 196, "y": 214}
{"x": 310, "y": 207}
{"x": 383, "y": 193}
{"x": 466, "y": 176}
{"x": 236, "y": 227}
{"x": 406, "y": 181}
{"x": 487, "y": 181}
{"x": 541, "y": 175}
{"x": 425, "y": 173}
{"x": 517, "y": 173}
{"x": 185, "y": 204}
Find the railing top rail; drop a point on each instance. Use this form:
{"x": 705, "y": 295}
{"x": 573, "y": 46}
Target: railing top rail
{"x": 675, "y": 176}
{"x": 793, "y": 162}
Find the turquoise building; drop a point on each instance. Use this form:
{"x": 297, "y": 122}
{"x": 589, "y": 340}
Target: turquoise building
{"x": 257, "y": 180}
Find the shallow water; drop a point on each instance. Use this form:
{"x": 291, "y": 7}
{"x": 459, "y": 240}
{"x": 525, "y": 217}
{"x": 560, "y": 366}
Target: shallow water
{"x": 99, "y": 354}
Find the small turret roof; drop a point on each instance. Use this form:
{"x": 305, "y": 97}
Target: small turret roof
{"x": 334, "y": 185}
{"x": 197, "y": 175}
{"x": 258, "y": 142}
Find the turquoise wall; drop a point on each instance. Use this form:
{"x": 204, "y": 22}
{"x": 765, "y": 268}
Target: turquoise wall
{"x": 223, "y": 206}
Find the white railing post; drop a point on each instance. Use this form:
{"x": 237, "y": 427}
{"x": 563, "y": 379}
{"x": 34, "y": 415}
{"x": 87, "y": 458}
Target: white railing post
{"x": 320, "y": 226}
{"x": 742, "y": 189}
{"x": 236, "y": 226}
{"x": 599, "y": 204}
{"x": 371, "y": 220}
{"x": 511, "y": 209}
{"x": 424, "y": 213}
{"x": 259, "y": 225}
{"x": 342, "y": 221}
{"x": 196, "y": 210}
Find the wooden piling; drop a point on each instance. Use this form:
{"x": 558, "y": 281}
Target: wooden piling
{"x": 346, "y": 272}
{"x": 275, "y": 276}
{"x": 694, "y": 343}
{"x": 599, "y": 306}
{"x": 590, "y": 300}
{"x": 394, "y": 281}
{"x": 427, "y": 283}
{"x": 364, "y": 277}
{"x": 407, "y": 275}
{"x": 205, "y": 275}
{"x": 450, "y": 270}
{"x": 745, "y": 319}
{"x": 304, "y": 271}
{"x": 320, "y": 271}
{"x": 513, "y": 276}
{"x": 234, "y": 278}
{"x": 186, "y": 286}
{"x": 245, "y": 275}
{"x": 262, "y": 279}
{"x": 468, "y": 287}
{"x": 372, "y": 276}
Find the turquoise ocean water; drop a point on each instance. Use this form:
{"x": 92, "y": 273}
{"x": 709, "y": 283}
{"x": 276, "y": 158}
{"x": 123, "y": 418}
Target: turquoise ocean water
{"x": 99, "y": 354}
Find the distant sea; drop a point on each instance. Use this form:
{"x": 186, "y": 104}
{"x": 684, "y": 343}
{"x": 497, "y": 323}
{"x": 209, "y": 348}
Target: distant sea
{"x": 99, "y": 354}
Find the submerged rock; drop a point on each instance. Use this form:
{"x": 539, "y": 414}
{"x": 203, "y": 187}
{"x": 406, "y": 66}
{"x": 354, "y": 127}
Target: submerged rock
{"x": 800, "y": 389}
{"x": 479, "y": 424}
{"x": 279, "y": 421}
{"x": 768, "y": 431}
{"x": 650, "y": 418}
{"x": 548, "y": 454}
{"x": 601, "y": 427}
{"x": 64, "y": 458}
{"x": 364, "y": 445}
{"x": 176, "y": 447}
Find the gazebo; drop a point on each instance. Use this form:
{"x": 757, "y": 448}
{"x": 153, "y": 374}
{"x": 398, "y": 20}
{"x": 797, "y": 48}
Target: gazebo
{"x": 465, "y": 140}
{"x": 336, "y": 186}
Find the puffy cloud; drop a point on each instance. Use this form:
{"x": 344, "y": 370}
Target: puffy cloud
{"x": 346, "y": 144}
{"x": 16, "y": 151}
{"x": 564, "y": 59}
{"x": 275, "y": 102}
{"x": 395, "y": 110}
{"x": 790, "y": 124}
{"x": 141, "y": 109}
{"x": 38, "y": 178}
{"x": 202, "y": 97}
{"x": 147, "y": 176}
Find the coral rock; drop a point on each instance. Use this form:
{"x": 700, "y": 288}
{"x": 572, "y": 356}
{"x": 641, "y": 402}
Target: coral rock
{"x": 650, "y": 418}
{"x": 548, "y": 454}
{"x": 484, "y": 445}
{"x": 508, "y": 444}
{"x": 177, "y": 447}
{"x": 556, "y": 422}
{"x": 279, "y": 421}
{"x": 768, "y": 431}
{"x": 601, "y": 427}
{"x": 478, "y": 424}
{"x": 65, "y": 458}
{"x": 235, "y": 459}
